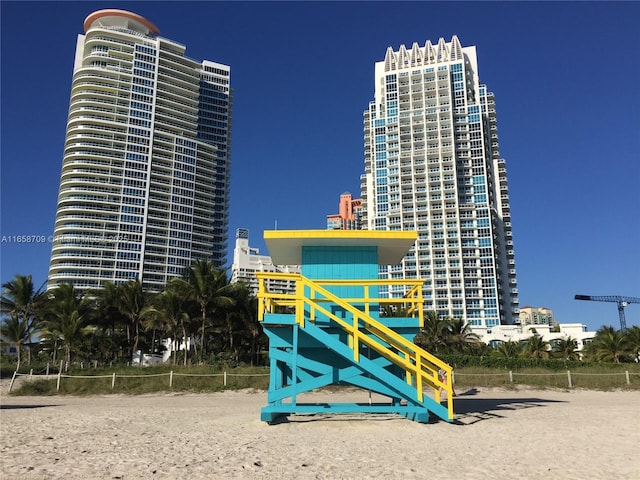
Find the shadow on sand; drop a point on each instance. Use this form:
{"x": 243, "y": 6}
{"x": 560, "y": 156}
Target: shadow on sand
{"x": 470, "y": 410}
{"x": 18, "y": 407}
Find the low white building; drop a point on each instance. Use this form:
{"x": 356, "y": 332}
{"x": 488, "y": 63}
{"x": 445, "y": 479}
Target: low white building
{"x": 8, "y": 347}
{"x": 247, "y": 261}
{"x": 517, "y": 333}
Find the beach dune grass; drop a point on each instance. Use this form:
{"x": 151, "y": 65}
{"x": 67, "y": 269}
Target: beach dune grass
{"x": 593, "y": 377}
{"x": 200, "y": 379}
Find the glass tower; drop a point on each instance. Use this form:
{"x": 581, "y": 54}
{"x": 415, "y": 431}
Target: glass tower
{"x": 432, "y": 165}
{"x": 144, "y": 189}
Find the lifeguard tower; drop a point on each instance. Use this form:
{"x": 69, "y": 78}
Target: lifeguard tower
{"x": 330, "y": 331}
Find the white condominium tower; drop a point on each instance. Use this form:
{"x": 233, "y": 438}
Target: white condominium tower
{"x": 432, "y": 165}
{"x": 144, "y": 189}
{"x": 247, "y": 261}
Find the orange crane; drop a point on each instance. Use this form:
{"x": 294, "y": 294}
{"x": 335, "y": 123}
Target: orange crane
{"x": 619, "y": 299}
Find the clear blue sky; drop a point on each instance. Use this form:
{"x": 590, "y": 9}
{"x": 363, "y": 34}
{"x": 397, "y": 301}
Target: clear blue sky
{"x": 566, "y": 77}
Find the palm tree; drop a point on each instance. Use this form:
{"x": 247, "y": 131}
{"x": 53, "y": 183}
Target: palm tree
{"x": 566, "y": 348}
{"x": 633, "y": 341}
{"x": 154, "y": 320}
{"x": 108, "y": 315}
{"x": 21, "y": 301}
{"x": 235, "y": 318}
{"x": 390, "y": 310}
{"x": 208, "y": 287}
{"x": 248, "y": 306}
{"x": 14, "y": 329}
{"x": 460, "y": 337}
{"x": 65, "y": 319}
{"x": 169, "y": 305}
{"x": 508, "y": 349}
{"x": 536, "y": 347}
{"x": 131, "y": 301}
{"x": 610, "y": 345}
{"x": 433, "y": 335}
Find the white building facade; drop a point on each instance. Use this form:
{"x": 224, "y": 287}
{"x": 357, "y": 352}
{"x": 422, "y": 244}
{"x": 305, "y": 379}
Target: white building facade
{"x": 432, "y": 164}
{"x": 516, "y": 333}
{"x": 144, "y": 189}
{"x": 247, "y": 261}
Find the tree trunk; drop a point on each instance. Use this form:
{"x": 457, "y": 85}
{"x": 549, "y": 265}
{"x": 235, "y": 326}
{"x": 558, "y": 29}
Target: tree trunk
{"x": 136, "y": 337}
{"x": 195, "y": 348}
{"x": 204, "y": 313}
{"x": 19, "y": 352}
{"x": 184, "y": 340}
{"x": 153, "y": 341}
{"x": 174, "y": 345}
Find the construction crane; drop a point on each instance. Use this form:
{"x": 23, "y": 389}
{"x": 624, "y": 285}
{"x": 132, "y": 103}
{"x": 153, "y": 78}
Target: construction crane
{"x": 620, "y": 300}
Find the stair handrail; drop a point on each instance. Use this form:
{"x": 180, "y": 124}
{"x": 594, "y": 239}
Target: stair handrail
{"x": 413, "y": 296}
{"x": 380, "y": 330}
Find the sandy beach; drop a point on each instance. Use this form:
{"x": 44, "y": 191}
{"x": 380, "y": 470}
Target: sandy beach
{"x": 497, "y": 434}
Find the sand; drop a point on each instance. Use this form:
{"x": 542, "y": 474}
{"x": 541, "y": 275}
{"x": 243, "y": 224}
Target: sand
{"x": 497, "y": 434}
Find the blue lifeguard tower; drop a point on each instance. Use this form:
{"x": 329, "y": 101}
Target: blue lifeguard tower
{"x": 330, "y": 330}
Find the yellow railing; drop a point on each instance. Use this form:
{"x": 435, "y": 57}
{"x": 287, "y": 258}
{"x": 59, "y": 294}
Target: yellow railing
{"x": 421, "y": 367}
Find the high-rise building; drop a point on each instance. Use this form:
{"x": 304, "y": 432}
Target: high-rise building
{"x": 536, "y": 316}
{"x": 349, "y": 214}
{"x": 144, "y": 189}
{"x": 247, "y": 261}
{"x": 432, "y": 164}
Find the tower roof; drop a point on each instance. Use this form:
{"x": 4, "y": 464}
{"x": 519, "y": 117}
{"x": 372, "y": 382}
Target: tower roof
{"x": 121, "y": 18}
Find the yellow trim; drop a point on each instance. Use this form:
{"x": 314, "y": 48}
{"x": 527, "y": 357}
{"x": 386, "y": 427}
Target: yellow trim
{"x": 386, "y": 234}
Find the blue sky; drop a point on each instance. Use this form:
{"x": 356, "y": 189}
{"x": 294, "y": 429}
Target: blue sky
{"x": 566, "y": 78}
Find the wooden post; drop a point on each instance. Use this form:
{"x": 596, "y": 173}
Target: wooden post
{"x": 59, "y": 375}
{"x": 569, "y": 378}
{"x": 510, "y": 376}
{"x": 12, "y": 380}
{"x": 113, "y": 381}
{"x": 626, "y": 373}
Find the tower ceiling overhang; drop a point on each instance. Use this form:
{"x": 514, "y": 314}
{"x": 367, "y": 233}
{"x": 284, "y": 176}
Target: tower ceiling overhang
{"x": 285, "y": 246}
